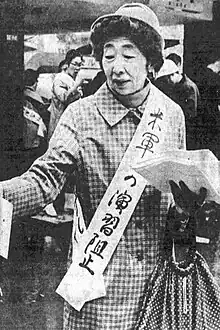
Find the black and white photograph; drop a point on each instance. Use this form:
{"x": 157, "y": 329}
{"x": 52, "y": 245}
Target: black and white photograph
{"x": 109, "y": 165}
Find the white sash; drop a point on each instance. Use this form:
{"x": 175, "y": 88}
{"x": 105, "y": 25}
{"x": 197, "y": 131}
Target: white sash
{"x": 84, "y": 279}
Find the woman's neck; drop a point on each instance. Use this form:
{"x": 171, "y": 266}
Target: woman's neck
{"x": 136, "y": 99}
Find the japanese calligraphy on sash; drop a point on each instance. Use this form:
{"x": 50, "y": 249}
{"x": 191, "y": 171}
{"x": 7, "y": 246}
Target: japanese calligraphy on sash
{"x": 84, "y": 279}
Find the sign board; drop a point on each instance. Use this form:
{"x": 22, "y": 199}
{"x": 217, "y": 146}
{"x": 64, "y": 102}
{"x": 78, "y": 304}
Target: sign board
{"x": 181, "y": 11}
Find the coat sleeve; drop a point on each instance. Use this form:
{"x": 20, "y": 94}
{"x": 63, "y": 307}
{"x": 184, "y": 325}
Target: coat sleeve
{"x": 41, "y": 184}
{"x": 60, "y": 90}
{"x": 65, "y": 92}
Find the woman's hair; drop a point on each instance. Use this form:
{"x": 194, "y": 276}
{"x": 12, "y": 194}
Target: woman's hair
{"x": 61, "y": 64}
{"x": 147, "y": 40}
{"x": 71, "y": 54}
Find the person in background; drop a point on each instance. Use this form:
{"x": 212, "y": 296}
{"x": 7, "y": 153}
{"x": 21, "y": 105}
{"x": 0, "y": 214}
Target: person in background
{"x": 179, "y": 87}
{"x": 167, "y": 77}
{"x": 176, "y": 59}
{"x": 182, "y": 91}
{"x": 90, "y": 141}
{"x": 62, "y": 66}
{"x": 66, "y": 88}
{"x": 35, "y": 119}
{"x": 190, "y": 101}
{"x": 208, "y": 123}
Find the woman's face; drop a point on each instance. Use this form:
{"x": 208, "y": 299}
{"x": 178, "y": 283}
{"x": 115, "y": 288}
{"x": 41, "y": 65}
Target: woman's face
{"x": 74, "y": 66}
{"x": 124, "y": 65}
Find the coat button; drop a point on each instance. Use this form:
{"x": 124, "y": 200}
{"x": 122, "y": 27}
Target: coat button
{"x": 140, "y": 255}
{"x": 139, "y": 224}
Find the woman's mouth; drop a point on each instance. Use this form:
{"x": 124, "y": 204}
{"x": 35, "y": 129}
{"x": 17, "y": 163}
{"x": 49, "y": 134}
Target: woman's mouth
{"x": 120, "y": 83}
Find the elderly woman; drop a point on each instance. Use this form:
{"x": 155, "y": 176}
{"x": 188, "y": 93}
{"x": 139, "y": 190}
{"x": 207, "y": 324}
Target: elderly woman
{"x": 90, "y": 141}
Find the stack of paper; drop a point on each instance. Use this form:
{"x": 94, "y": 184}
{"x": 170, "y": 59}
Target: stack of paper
{"x": 197, "y": 168}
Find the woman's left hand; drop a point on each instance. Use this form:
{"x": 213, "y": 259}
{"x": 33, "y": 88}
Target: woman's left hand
{"x": 206, "y": 213}
{"x": 187, "y": 200}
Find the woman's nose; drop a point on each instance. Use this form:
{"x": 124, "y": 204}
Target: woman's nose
{"x": 118, "y": 65}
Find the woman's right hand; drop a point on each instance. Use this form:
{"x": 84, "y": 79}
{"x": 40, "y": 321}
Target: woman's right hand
{"x": 80, "y": 78}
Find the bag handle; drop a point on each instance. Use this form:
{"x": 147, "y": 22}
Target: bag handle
{"x": 185, "y": 237}
{"x": 186, "y": 266}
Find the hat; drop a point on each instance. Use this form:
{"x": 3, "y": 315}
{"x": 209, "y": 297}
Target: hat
{"x": 137, "y": 11}
{"x": 168, "y": 67}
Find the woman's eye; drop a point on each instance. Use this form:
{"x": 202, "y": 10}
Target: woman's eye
{"x": 129, "y": 57}
{"x": 109, "y": 57}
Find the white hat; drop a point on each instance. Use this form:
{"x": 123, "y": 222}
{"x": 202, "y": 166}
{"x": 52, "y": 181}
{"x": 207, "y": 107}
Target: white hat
{"x": 137, "y": 11}
{"x": 168, "y": 67}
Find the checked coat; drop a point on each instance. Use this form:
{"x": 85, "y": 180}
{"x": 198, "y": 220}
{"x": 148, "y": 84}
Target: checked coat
{"x": 89, "y": 142}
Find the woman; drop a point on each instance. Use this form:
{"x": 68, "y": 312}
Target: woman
{"x": 90, "y": 141}
{"x": 66, "y": 88}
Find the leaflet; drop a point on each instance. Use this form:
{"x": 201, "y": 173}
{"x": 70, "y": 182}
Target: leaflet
{"x": 197, "y": 168}
{"x": 6, "y": 209}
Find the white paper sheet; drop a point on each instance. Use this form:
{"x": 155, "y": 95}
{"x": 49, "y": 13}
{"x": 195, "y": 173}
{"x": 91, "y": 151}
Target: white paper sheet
{"x": 5, "y": 226}
{"x": 197, "y": 168}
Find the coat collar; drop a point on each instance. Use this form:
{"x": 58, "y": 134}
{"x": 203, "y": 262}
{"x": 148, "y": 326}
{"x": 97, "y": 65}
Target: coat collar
{"x": 29, "y": 92}
{"x": 110, "y": 108}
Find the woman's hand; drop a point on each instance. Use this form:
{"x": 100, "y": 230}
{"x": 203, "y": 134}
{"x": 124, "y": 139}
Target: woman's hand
{"x": 180, "y": 215}
{"x": 188, "y": 203}
{"x": 80, "y": 78}
{"x": 187, "y": 200}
